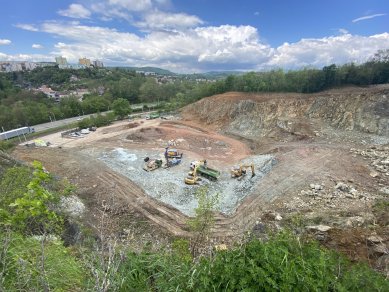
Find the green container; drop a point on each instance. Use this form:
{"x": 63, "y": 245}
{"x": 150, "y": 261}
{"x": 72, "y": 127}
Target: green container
{"x": 209, "y": 173}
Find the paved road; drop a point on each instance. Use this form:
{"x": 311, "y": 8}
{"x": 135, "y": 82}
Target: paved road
{"x": 59, "y": 123}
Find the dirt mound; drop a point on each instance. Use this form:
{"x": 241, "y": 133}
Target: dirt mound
{"x": 147, "y": 134}
{"x": 132, "y": 125}
{"x": 280, "y": 115}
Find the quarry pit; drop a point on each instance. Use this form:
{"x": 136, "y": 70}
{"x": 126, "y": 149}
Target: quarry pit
{"x": 301, "y": 147}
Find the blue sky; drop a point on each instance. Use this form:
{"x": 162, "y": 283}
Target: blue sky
{"x": 196, "y": 35}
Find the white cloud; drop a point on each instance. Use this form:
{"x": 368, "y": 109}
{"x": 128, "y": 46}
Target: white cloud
{"x": 192, "y": 49}
{"x": 145, "y": 14}
{"x": 132, "y": 5}
{"x": 5, "y": 42}
{"x": 256, "y": 13}
{"x": 162, "y": 20}
{"x": 343, "y": 31}
{"x": 335, "y": 49}
{"x": 207, "y": 48}
{"x": 26, "y": 57}
{"x": 26, "y": 26}
{"x": 368, "y": 17}
{"x": 75, "y": 11}
{"x": 37, "y": 46}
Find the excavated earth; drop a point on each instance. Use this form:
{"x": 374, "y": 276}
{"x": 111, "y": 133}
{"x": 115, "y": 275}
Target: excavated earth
{"x": 320, "y": 158}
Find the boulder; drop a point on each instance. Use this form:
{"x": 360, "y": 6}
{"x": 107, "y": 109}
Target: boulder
{"x": 375, "y": 239}
{"x": 321, "y": 228}
{"x": 342, "y": 187}
{"x": 380, "y": 248}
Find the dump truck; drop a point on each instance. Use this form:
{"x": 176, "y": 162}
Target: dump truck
{"x": 153, "y": 116}
{"x": 240, "y": 171}
{"x": 205, "y": 171}
{"x": 152, "y": 164}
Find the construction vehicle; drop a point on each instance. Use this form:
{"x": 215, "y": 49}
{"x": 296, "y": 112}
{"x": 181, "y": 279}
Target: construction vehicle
{"x": 192, "y": 178}
{"x": 153, "y": 116}
{"x": 172, "y": 162}
{"x": 152, "y": 164}
{"x": 172, "y": 157}
{"x": 172, "y": 153}
{"x": 240, "y": 172}
{"x": 204, "y": 170}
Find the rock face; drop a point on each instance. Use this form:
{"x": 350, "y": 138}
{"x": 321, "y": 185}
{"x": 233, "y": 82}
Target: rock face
{"x": 258, "y": 115}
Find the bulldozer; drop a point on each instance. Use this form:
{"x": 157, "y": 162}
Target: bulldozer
{"x": 152, "y": 164}
{"x": 241, "y": 171}
{"x": 192, "y": 178}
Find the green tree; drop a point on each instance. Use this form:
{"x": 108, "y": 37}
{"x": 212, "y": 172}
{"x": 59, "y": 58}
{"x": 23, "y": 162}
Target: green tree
{"x": 150, "y": 91}
{"x": 32, "y": 212}
{"x": 121, "y": 107}
{"x": 204, "y": 219}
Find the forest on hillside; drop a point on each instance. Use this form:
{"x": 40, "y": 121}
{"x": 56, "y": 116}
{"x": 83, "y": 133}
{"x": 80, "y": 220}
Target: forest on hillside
{"x": 21, "y": 106}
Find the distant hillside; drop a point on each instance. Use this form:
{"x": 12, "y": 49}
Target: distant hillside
{"x": 220, "y": 74}
{"x": 205, "y": 75}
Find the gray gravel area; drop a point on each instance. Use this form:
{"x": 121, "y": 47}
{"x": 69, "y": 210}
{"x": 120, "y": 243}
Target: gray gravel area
{"x": 167, "y": 185}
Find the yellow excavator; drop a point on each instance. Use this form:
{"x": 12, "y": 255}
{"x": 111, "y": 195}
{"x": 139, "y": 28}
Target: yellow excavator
{"x": 240, "y": 172}
{"x": 192, "y": 178}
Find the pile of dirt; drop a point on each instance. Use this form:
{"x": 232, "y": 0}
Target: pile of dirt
{"x": 254, "y": 116}
{"x": 146, "y": 134}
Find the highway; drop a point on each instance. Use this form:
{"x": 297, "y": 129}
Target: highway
{"x": 64, "y": 122}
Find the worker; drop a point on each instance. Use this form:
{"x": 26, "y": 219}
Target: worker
{"x": 205, "y": 163}
{"x": 166, "y": 153}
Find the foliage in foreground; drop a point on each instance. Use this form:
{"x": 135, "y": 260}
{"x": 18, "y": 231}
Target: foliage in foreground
{"x": 27, "y": 202}
{"x": 30, "y": 262}
{"x": 37, "y": 264}
{"x": 283, "y": 263}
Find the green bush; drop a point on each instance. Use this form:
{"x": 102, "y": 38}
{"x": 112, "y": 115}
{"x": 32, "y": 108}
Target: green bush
{"x": 34, "y": 264}
{"x": 284, "y": 263}
{"x": 97, "y": 120}
{"x": 6, "y": 145}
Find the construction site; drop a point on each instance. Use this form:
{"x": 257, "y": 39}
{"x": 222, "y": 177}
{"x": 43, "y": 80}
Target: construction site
{"x": 272, "y": 159}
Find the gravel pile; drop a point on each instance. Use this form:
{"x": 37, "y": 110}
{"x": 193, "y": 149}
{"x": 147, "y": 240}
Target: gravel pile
{"x": 167, "y": 185}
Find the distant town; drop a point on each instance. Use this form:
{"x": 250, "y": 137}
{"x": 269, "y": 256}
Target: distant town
{"x": 61, "y": 62}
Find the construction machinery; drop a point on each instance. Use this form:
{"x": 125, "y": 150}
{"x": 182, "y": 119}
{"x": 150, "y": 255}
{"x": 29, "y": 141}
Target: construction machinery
{"x": 240, "y": 171}
{"x": 204, "y": 170}
{"x": 172, "y": 153}
{"x": 192, "y": 178}
{"x": 172, "y": 162}
{"x": 152, "y": 164}
{"x": 172, "y": 157}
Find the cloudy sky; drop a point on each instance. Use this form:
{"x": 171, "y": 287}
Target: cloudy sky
{"x": 195, "y": 35}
